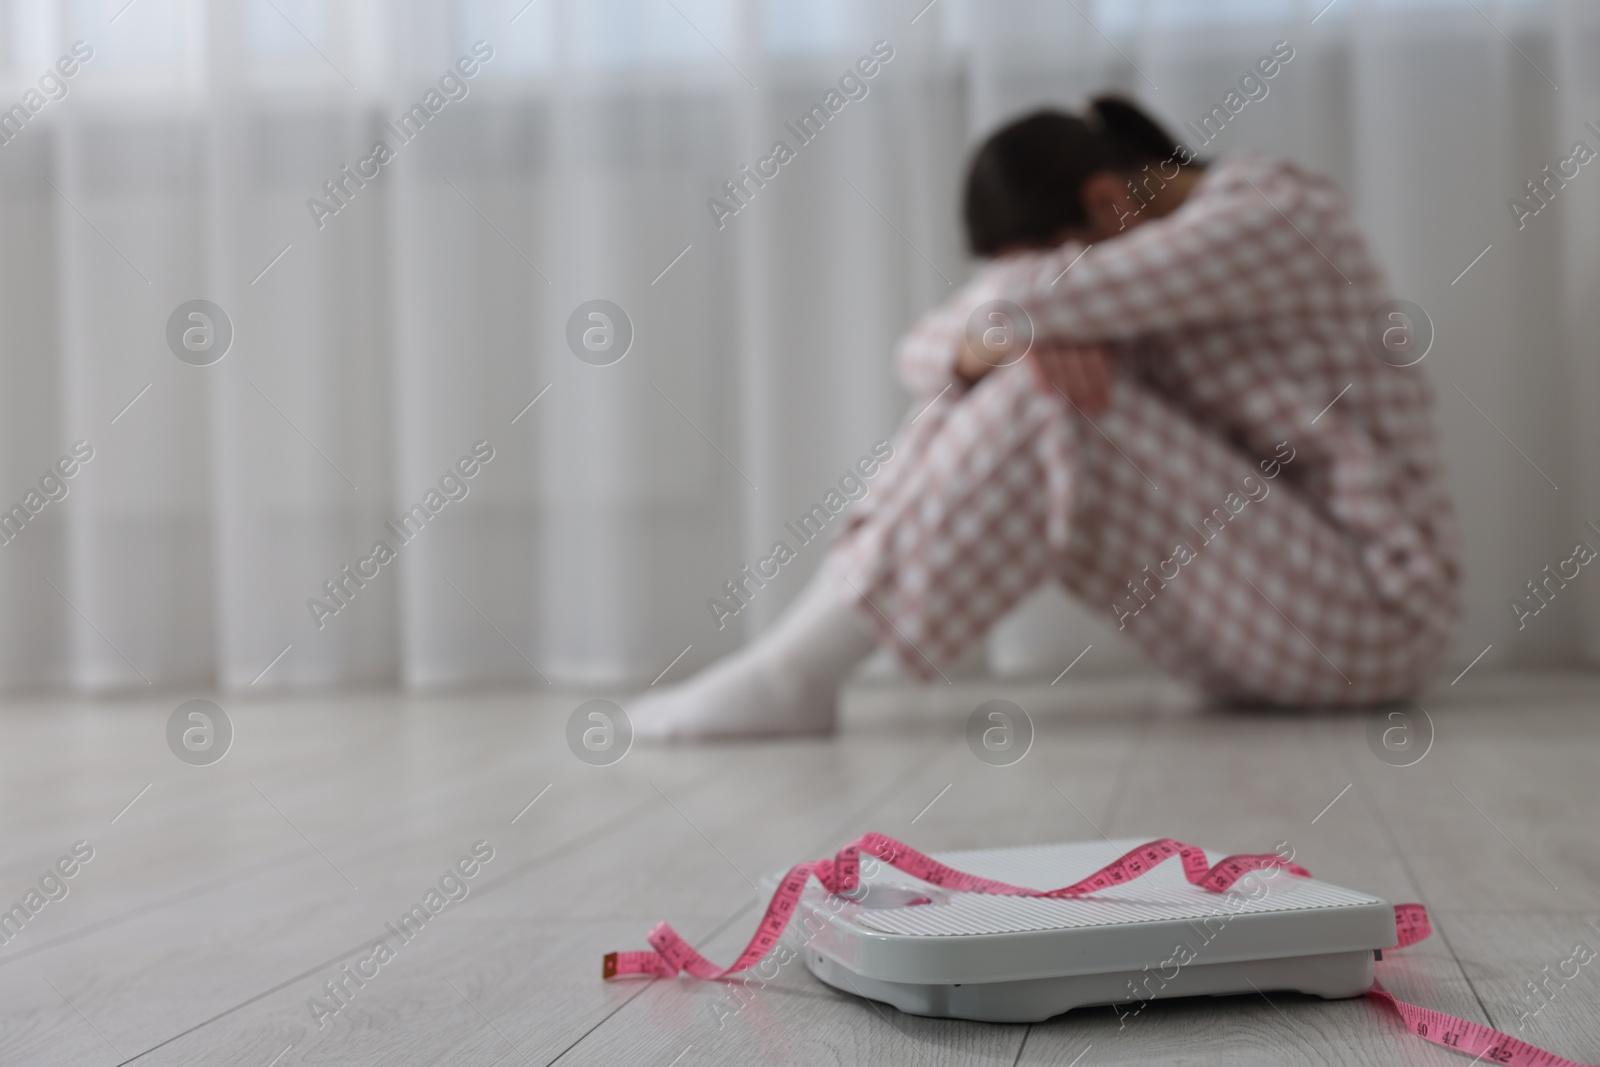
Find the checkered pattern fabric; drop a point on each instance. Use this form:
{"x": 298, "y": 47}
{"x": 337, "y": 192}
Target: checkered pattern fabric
{"x": 1250, "y": 537}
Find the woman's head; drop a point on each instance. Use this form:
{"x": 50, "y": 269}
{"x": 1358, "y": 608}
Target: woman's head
{"x": 1051, "y": 175}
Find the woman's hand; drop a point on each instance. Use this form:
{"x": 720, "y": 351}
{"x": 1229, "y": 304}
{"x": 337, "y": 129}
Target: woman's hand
{"x": 969, "y": 365}
{"x": 1081, "y": 372}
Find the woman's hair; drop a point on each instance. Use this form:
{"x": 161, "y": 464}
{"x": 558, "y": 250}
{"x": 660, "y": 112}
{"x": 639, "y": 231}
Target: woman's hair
{"x": 1024, "y": 183}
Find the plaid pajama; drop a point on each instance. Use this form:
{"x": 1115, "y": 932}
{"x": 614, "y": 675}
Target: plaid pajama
{"x": 1252, "y": 539}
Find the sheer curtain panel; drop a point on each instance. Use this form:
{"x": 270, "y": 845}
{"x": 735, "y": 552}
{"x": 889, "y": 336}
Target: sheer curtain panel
{"x": 399, "y": 345}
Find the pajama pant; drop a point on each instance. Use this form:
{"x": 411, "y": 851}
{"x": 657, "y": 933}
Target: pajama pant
{"x": 995, "y": 491}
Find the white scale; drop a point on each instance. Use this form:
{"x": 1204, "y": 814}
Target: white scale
{"x": 1024, "y": 959}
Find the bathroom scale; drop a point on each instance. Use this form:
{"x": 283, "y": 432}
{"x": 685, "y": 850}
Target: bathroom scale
{"x": 1010, "y": 959}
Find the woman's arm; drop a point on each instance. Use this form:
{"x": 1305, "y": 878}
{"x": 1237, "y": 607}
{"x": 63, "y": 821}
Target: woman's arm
{"x": 1232, "y": 254}
{"x": 929, "y": 358}
{"x": 935, "y": 353}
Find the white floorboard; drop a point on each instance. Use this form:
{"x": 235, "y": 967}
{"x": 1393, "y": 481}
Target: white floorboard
{"x": 225, "y": 896}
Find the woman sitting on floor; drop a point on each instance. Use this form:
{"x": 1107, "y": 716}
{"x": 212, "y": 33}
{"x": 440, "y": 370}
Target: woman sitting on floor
{"x": 1198, "y": 443}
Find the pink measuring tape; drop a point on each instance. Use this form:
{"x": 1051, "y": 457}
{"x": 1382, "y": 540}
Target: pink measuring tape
{"x": 841, "y": 874}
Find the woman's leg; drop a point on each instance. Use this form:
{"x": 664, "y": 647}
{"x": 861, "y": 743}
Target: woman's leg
{"x": 1234, "y": 580}
{"x": 971, "y": 517}
{"x": 786, "y": 681}
{"x": 1227, "y": 578}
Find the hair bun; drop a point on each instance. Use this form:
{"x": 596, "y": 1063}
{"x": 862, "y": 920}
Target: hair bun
{"x": 1125, "y": 124}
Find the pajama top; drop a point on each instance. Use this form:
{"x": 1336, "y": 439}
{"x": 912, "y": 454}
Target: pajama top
{"x": 1248, "y": 308}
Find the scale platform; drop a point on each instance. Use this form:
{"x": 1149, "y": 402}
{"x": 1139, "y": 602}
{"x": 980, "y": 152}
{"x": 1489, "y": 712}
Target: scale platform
{"x": 1025, "y": 959}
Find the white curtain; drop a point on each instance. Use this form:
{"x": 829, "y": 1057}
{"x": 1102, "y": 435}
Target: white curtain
{"x": 371, "y": 353}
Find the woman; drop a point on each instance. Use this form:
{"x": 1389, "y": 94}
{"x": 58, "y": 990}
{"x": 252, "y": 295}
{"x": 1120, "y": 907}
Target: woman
{"x": 1197, "y": 442}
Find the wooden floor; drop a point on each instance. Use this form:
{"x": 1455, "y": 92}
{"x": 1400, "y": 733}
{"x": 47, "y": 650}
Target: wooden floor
{"x": 225, "y": 896}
